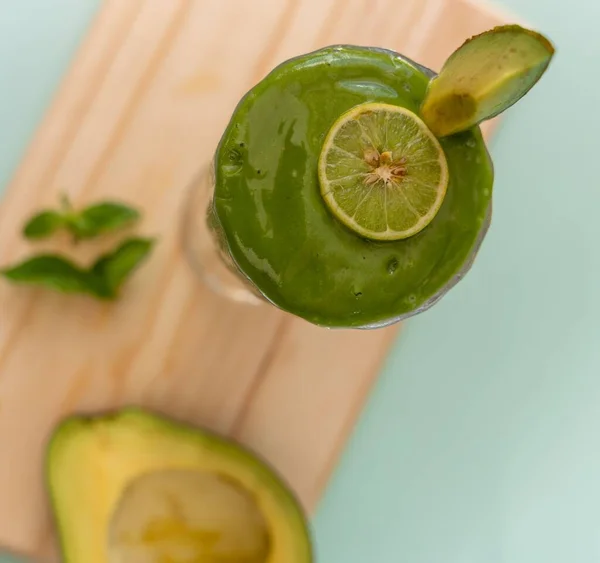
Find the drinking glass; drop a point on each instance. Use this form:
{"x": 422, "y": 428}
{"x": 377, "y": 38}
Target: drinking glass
{"x": 212, "y": 263}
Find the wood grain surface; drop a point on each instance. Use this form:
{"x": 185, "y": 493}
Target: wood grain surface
{"x": 139, "y": 112}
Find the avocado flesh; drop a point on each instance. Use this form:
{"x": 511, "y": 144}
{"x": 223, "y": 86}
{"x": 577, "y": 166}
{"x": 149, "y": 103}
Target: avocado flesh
{"x": 485, "y": 76}
{"x": 93, "y": 461}
{"x": 181, "y": 516}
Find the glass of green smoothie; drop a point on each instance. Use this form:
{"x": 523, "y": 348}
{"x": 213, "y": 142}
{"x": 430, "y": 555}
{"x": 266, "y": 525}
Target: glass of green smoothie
{"x": 352, "y": 186}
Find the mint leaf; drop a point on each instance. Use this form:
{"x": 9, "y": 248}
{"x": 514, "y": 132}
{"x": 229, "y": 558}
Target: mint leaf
{"x": 101, "y": 218}
{"x": 115, "y": 267}
{"x": 43, "y": 225}
{"x": 57, "y": 273}
{"x": 92, "y": 221}
{"x": 102, "y": 280}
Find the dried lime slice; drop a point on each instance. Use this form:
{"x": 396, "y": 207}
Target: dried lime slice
{"x": 382, "y": 172}
{"x": 485, "y": 76}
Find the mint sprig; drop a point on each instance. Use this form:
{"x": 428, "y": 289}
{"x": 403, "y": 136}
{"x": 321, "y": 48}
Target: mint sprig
{"x": 103, "y": 279}
{"x": 87, "y": 223}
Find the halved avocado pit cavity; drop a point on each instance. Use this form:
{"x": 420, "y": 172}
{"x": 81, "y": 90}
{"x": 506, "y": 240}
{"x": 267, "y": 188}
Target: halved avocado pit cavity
{"x": 186, "y": 516}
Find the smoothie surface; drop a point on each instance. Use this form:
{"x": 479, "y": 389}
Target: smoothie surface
{"x": 275, "y": 222}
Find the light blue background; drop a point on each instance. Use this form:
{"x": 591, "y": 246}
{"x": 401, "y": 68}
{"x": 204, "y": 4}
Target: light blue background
{"x": 481, "y": 441}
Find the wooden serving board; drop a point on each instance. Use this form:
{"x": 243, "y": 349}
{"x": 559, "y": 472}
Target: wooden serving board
{"x": 140, "y": 111}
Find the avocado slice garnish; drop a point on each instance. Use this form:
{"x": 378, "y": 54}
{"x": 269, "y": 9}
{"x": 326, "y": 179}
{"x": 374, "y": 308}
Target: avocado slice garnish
{"x": 485, "y": 76}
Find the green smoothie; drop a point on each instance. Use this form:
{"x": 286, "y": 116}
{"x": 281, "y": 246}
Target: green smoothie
{"x": 273, "y": 221}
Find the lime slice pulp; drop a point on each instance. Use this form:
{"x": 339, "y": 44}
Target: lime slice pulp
{"x": 382, "y": 172}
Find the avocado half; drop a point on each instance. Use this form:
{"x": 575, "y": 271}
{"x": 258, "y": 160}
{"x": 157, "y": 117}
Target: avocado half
{"x": 93, "y": 460}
